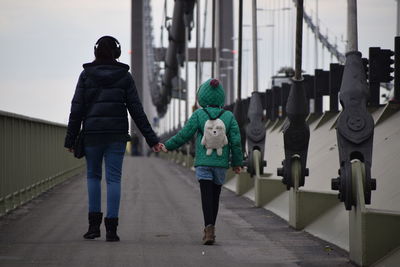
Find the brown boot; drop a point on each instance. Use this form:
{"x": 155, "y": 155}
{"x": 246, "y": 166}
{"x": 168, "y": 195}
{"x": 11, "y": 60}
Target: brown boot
{"x": 209, "y": 235}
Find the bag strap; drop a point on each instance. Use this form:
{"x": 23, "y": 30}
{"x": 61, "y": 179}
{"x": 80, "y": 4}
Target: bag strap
{"x": 209, "y": 115}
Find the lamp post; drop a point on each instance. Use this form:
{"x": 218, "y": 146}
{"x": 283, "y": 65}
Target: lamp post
{"x": 230, "y": 91}
{"x": 228, "y": 78}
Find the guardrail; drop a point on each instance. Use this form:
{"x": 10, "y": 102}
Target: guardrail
{"x": 32, "y": 159}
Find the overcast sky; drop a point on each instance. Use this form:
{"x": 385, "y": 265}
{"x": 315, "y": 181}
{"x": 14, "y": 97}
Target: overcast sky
{"x": 45, "y": 42}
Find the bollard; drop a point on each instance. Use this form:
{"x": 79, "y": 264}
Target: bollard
{"x": 296, "y": 135}
{"x": 355, "y": 131}
{"x": 255, "y": 132}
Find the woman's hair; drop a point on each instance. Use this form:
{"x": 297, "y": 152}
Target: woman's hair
{"x": 107, "y": 48}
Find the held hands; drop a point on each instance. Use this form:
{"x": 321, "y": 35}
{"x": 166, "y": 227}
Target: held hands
{"x": 237, "y": 169}
{"x": 158, "y": 147}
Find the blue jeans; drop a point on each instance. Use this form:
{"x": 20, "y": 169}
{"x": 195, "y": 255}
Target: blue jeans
{"x": 215, "y": 174}
{"x": 113, "y": 154}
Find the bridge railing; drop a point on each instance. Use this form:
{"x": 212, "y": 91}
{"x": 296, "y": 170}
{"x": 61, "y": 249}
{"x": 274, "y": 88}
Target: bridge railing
{"x": 32, "y": 159}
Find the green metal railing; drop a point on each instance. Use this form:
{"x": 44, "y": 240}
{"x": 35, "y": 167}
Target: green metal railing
{"x": 32, "y": 159}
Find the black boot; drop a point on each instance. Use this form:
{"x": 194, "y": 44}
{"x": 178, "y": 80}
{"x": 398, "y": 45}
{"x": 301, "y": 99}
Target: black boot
{"x": 95, "y": 219}
{"x": 111, "y": 228}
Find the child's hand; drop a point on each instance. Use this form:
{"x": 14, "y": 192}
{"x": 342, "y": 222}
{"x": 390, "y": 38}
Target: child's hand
{"x": 163, "y": 148}
{"x": 237, "y": 169}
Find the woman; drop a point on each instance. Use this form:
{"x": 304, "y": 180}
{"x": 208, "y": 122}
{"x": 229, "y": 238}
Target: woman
{"x": 104, "y": 92}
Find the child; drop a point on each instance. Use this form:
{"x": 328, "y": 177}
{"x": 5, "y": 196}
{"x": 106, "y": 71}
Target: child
{"x": 218, "y": 137}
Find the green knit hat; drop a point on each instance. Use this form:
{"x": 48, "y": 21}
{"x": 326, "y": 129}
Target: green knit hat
{"x": 211, "y": 93}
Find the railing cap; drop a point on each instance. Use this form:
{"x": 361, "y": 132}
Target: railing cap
{"x": 22, "y": 117}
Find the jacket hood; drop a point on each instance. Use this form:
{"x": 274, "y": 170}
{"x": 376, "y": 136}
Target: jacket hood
{"x": 211, "y": 93}
{"x": 105, "y": 72}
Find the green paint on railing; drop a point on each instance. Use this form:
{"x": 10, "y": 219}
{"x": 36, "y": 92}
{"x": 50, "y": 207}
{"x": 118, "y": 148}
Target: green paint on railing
{"x": 32, "y": 159}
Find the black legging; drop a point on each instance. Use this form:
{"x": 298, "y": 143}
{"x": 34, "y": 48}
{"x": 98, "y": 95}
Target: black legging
{"x": 210, "y": 200}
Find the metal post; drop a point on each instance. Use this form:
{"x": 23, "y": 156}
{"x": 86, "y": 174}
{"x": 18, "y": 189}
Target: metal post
{"x": 299, "y": 39}
{"x": 272, "y": 45}
{"x": 179, "y": 95}
{"x": 398, "y": 18}
{"x": 278, "y": 35}
{"x": 316, "y": 37}
{"x": 187, "y": 71}
{"x": 225, "y": 31}
{"x": 204, "y": 39}
{"x": 229, "y": 83}
{"x": 291, "y": 39}
{"x": 198, "y": 50}
{"x": 397, "y": 68}
{"x": 137, "y": 59}
{"x": 213, "y": 39}
{"x": 255, "y": 62}
{"x": 240, "y": 45}
{"x": 169, "y": 121}
{"x": 174, "y": 113}
{"x": 352, "y": 36}
{"x": 217, "y": 38}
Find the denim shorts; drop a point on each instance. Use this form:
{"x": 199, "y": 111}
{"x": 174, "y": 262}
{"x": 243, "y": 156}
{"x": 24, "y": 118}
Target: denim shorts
{"x": 215, "y": 174}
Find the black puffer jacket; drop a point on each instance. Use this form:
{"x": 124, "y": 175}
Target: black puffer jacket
{"x": 117, "y": 93}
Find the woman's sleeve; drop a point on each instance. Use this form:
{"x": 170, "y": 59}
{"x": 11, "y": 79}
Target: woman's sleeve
{"x": 184, "y": 135}
{"x": 136, "y": 111}
{"x": 76, "y": 114}
{"x": 235, "y": 143}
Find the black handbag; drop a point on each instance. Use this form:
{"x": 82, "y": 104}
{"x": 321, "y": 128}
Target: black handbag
{"x": 79, "y": 145}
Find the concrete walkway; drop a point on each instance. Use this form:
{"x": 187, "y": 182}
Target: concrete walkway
{"x": 160, "y": 225}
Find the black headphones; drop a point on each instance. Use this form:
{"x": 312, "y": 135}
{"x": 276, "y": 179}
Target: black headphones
{"x": 116, "y": 51}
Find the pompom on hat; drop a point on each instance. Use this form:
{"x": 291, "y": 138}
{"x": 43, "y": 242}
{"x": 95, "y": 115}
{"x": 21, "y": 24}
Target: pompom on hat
{"x": 211, "y": 93}
{"x": 214, "y": 83}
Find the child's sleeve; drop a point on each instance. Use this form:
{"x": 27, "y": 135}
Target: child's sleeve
{"x": 183, "y": 135}
{"x": 235, "y": 143}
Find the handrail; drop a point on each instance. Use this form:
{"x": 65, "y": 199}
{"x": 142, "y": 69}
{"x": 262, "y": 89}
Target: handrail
{"x": 32, "y": 158}
{"x": 23, "y": 117}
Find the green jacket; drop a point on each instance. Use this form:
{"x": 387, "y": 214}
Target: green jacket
{"x": 210, "y": 98}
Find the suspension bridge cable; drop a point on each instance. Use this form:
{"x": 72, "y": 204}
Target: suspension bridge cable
{"x": 213, "y": 39}
{"x": 299, "y": 39}
{"x": 323, "y": 39}
{"x": 164, "y": 19}
{"x": 203, "y": 45}
{"x": 240, "y": 55}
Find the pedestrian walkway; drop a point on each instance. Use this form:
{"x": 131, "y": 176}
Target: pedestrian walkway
{"x": 160, "y": 225}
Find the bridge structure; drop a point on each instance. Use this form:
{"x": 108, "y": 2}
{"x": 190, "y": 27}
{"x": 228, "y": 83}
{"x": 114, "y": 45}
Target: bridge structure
{"x": 320, "y": 183}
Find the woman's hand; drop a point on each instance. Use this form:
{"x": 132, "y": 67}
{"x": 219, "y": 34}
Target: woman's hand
{"x": 159, "y": 147}
{"x": 70, "y": 150}
{"x": 237, "y": 169}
